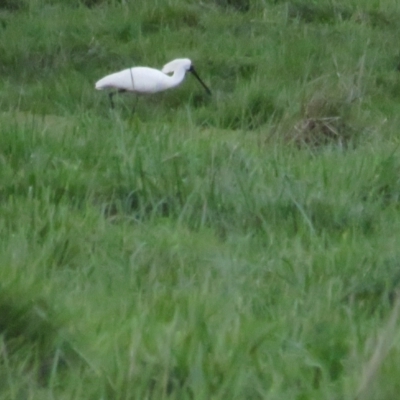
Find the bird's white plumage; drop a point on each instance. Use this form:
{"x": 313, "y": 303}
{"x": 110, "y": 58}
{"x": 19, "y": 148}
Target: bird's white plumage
{"x": 148, "y": 80}
{"x": 145, "y": 79}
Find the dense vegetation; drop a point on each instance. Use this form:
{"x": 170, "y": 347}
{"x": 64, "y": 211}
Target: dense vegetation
{"x": 238, "y": 246}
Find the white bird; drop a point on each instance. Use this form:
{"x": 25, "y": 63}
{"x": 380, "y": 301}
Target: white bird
{"x": 149, "y": 80}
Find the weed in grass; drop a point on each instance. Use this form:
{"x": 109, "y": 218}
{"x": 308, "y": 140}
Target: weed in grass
{"x": 326, "y": 119}
{"x": 30, "y": 331}
{"x": 385, "y": 185}
{"x": 170, "y": 17}
{"x": 237, "y": 5}
{"x": 321, "y": 12}
{"x": 11, "y": 5}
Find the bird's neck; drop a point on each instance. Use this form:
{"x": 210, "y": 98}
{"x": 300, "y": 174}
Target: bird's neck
{"x": 178, "y": 77}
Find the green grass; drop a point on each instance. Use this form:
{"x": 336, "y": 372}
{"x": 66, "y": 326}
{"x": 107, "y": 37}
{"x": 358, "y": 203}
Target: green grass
{"x": 238, "y": 246}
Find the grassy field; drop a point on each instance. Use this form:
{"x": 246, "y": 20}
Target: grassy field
{"x": 240, "y": 246}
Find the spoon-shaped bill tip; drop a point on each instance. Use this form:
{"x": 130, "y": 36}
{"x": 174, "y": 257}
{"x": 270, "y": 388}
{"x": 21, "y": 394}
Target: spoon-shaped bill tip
{"x": 193, "y": 71}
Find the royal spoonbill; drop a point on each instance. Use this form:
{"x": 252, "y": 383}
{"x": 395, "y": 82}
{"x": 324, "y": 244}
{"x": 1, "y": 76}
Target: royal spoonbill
{"x": 148, "y": 80}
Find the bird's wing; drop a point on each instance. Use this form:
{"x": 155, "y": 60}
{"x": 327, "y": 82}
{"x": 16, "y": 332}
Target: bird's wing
{"x": 137, "y": 79}
{"x": 122, "y": 80}
{"x": 149, "y": 80}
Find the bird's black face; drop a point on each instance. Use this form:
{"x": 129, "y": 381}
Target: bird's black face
{"x": 193, "y": 71}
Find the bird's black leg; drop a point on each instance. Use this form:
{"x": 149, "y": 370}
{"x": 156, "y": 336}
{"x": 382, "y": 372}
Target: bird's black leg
{"x": 134, "y": 107}
{"x": 110, "y": 95}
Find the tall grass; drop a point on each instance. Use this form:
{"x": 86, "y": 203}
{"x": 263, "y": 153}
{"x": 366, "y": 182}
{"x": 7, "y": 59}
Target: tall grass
{"x": 233, "y": 247}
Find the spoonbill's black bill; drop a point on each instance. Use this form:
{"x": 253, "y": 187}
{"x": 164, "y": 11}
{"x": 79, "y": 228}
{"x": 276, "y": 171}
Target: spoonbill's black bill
{"x": 193, "y": 71}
